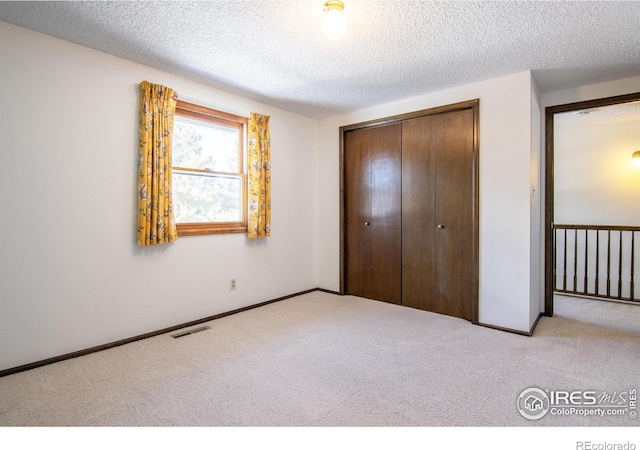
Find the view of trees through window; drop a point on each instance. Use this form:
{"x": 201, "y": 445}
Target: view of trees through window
{"x": 207, "y": 185}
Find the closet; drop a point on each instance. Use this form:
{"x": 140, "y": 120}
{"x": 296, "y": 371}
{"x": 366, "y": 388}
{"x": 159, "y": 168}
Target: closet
{"x": 409, "y": 210}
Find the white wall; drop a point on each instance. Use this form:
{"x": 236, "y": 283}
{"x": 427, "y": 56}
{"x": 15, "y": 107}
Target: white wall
{"x": 537, "y": 240}
{"x": 595, "y": 183}
{"x": 505, "y": 173}
{"x": 71, "y": 275}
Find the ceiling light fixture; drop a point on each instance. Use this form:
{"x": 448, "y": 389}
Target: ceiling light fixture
{"x": 635, "y": 159}
{"x": 334, "y": 23}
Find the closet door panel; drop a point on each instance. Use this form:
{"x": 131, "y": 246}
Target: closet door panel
{"x": 454, "y": 213}
{"x": 386, "y": 215}
{"x": 358, "y": 212}
{"x": 419, "y": 288}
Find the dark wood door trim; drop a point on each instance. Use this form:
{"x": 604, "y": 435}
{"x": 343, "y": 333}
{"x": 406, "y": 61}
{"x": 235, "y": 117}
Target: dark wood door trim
{"x": 469, "y": 104}
{"x": 476, "y": 211}
{"x": 474, "y": 105}
{"x": 550, "y": 111}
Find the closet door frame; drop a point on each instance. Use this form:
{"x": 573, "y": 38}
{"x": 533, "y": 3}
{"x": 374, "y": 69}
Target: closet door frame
{"x": 474, "y": 105}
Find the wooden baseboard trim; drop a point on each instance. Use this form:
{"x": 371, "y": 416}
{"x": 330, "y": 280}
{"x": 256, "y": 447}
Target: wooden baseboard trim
{"x": 505, "y": 329}
{"x": 98, "y": 348}
{"x": 511, "y": 330}
{"x": 328, "y": 291}
{"x": 535, "y": 324}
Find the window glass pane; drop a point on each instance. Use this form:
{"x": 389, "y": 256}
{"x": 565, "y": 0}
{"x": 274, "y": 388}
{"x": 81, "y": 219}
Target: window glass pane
{"x": 200, "y": 145}
{"x": 206, "y": 198}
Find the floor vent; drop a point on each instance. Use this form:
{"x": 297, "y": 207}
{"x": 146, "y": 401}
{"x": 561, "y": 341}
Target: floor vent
{"x": 191, "y": 331}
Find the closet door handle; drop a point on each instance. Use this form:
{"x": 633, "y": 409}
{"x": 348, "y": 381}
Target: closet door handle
{"x": 366, "y": 224}
{"x": 440, "y": 226}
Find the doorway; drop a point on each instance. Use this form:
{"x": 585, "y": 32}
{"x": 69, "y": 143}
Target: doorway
{"x": 577, "y": 273}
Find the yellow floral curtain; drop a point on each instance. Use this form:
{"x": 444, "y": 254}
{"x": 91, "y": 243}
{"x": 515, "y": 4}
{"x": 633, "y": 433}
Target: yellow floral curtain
{"x": 259, "y": 174}
{"x": 156, "y": 224}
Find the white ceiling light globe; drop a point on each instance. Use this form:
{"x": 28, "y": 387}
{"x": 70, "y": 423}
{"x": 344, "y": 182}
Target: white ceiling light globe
{"x": 334, "y": 24}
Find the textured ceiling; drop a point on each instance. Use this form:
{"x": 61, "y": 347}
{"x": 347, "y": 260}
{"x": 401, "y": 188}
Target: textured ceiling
{"x": 273, "y": 50}
{"x": 602, "y": 115}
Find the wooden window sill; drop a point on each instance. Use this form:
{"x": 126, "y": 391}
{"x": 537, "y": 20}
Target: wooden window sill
{"x": 197, "y": 229}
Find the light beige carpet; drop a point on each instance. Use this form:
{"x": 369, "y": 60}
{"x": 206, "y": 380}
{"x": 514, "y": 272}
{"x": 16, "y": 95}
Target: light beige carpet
{"x": 321, "y": 359}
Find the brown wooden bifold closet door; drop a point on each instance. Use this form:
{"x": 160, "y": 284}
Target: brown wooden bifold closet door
{"x": 373, "y": 200}
{"x": 438, "y": 269}
{"x": 419, "y": 287}
{"x": 410, "y": 210}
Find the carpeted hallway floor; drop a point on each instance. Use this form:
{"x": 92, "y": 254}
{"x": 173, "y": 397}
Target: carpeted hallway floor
{"x": 325, "y": 360}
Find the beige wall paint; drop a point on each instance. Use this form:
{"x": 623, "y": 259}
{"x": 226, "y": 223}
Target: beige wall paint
{"x": 505, "y": 208}
{"x": 595, "y": 183}
{"x": 537, "y": 238}
{"x": 71, "y": 275}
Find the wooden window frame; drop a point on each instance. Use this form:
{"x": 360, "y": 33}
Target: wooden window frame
{"x": 209, "y": 115}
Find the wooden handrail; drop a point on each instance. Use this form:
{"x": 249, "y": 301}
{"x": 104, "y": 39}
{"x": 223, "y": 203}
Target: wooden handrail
{"x": 620, "y": 279}
{"x": 597, "y": 227}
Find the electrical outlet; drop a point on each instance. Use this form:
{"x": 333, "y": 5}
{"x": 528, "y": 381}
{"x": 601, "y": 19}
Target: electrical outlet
{"x": 233, "y": 284}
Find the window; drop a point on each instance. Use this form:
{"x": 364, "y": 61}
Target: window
{"x": 209, "y": 180}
